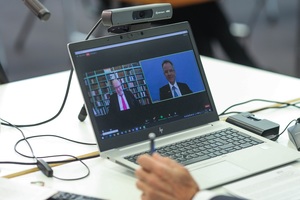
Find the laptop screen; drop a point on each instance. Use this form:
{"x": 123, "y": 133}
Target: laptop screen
{"x": 145, "y": 81}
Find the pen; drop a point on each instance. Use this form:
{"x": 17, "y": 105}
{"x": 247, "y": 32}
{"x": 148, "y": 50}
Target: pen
{"x": 152, "y": 144}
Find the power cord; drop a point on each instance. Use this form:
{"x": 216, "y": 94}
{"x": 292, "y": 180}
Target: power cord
{"x": 277, "y": 136}
{"x": 67, "y": 90}
{"x": 42, "y": 165}
{"x": 56, "y": 162}
{"x": 56, "y": 115}
{"x": 283, "y": 105}
{"x": 37, "y": 136}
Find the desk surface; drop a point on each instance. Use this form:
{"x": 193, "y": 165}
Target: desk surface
{"x": 40, "y": 98}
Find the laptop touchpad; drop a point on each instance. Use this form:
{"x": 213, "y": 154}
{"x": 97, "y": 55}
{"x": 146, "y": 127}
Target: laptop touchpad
{"x": 217, "y": 172}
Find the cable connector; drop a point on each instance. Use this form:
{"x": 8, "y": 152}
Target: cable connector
{"x": 44, "y": 167}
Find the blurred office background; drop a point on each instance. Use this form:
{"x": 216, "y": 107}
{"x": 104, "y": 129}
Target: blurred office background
{"x": 269, "y": 29}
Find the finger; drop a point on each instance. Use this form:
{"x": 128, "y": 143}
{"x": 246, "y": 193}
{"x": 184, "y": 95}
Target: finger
{"x": 167, "y": 168}
{"x": 143, "y": 197}
{"x": 152, "y": 162}
{"x": 141, "y": 174}
{"x": 142, "y": 186}
{"x": 151, "y": 180}
{"x": 166, "y": 160}
{"x": 149, "y": 193}
{"x": 161, "y": 166}
{"x": 147, "y": 187}
{"x": 147, "y": 162}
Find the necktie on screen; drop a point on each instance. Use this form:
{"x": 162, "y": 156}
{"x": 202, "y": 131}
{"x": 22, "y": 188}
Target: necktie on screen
{"x": 123, "y": 103}
{"x": 174, "y": 91}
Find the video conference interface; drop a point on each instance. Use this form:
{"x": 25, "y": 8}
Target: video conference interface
{"x": 141, "y": 72}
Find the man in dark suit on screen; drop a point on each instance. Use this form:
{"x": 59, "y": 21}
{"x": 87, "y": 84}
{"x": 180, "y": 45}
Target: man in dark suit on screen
{"x": 121, "y": 100}
{"x": 173, "y": 89}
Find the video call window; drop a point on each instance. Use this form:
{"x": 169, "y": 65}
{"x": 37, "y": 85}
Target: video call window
{"x": 100, "y": 86}
{"x": 180, "y": 67}
{"x": 144, "y": 82}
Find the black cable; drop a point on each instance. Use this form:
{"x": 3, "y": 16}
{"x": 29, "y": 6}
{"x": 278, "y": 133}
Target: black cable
{"x": 67, "y": 91}
{"x": 57, "y": 136}
{"x": 41, "y": 164}
{"x": 36, "y": 136}
{"x": 24, "y": 137}
{"x": 17, "y": 163}
{"x": 93, "y": 29}
{"x": 49, "y": 162}
{"x": 58, "y": 113}
{"x": 277, "y": 136}
{"x": 74, "y": 179}
{"x": 295, "y": 104}
{"x": 284, "y": 105}
{"x": 82, "y": 114}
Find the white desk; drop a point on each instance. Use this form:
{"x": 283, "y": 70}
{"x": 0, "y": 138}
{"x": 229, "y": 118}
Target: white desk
{"x": 36, "y": 99}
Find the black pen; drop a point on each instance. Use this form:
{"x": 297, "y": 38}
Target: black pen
{"x": 152, "y": 144}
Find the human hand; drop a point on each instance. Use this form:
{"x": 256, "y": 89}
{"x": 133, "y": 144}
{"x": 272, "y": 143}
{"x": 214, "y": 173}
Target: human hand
{"x": 162, "y": 178}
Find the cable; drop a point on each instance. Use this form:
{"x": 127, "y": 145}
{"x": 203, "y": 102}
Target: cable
{"x": 24, "y": 137}
{"x": 82, "y": 114}
{"x": 295, "y": 104}
{"x": 67, "y": 90}
{"x": 36, "y": 136}
{"x": 41, "y": 164}
{"x": 78, "y": 178}
{"x": 93, "y": 29}
{"x": 58, "y": 113}
{"x": 49, "y": 162}
{"x": 284, "y": 105}
{"x": 277, "y": 136}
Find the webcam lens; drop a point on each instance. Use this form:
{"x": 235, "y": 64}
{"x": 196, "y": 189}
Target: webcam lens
{"x": 142, "y": 14}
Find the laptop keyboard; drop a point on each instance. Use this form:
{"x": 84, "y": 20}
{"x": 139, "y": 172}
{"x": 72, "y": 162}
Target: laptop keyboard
{"x": 71, "y": 196}
{"x": 204, "y": 147}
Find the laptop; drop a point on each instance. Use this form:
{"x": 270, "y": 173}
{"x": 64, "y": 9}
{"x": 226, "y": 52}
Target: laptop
{"x": 135, "y": 60}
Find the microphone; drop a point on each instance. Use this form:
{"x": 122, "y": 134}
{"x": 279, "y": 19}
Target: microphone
{"x": 38, "y": 9}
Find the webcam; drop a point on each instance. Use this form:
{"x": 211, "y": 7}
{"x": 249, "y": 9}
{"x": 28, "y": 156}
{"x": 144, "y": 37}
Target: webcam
{"x": 126, "y": 19}
{"x": 136, "y": 14}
